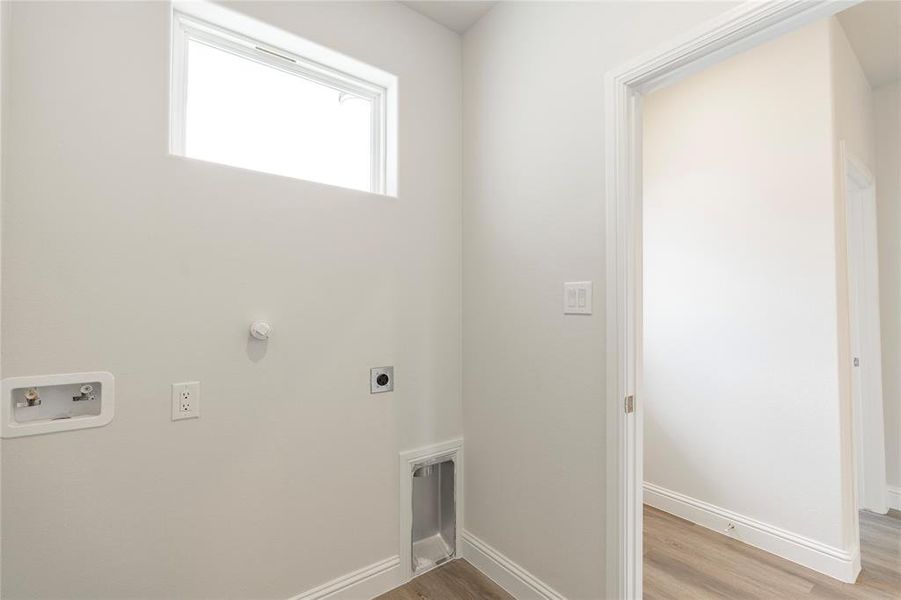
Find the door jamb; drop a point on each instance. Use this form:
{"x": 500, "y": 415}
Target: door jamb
{"x": 736, "y": 30}
{"x": 877, "y": 497}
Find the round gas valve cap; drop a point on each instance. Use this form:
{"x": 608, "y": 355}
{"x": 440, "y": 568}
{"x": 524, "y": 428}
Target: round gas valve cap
{"x": 260, "y": 330}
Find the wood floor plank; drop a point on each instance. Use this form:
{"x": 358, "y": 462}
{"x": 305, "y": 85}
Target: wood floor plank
{"x": 457, "y": 580}
{"x": 684, "y": 561}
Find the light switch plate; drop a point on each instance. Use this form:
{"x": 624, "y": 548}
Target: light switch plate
{"x": 577, "y": 298}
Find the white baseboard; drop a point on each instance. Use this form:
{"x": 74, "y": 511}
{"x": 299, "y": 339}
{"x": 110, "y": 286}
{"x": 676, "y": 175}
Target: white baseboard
{"x": 365, "y": 583}
{"x": 521, "y": 584}
{"x": 894, "y": 497}
{"x": 841, "y": 564}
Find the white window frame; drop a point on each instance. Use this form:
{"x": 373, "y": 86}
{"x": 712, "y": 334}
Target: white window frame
{"x": 242, "y": 36}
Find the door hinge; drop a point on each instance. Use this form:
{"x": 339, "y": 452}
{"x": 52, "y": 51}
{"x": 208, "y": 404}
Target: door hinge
{"x": 630, "y": 404}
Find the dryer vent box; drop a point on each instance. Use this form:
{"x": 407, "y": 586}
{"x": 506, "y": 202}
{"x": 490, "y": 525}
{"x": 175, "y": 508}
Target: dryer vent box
{"x": 434, "y": 515}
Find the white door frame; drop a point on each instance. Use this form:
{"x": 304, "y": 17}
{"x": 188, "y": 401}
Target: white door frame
{"x": 739, "y": 29}
{"x": 859, "y": 195}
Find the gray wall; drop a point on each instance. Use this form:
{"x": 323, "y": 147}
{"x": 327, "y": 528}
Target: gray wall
{"x": 887, "y": 101}
{"x": 119, "y": 257}
{"x": 533, "y": 217}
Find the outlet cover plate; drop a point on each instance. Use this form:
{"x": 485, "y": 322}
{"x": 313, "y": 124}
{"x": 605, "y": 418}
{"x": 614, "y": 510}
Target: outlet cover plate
{"x": 377, "y": 376}
{"x": 185, "y": 400}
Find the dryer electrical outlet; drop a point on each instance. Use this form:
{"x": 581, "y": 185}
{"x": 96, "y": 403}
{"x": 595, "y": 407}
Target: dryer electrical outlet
{"x": 185, "y": 400}
{"x": 381, "y": 379}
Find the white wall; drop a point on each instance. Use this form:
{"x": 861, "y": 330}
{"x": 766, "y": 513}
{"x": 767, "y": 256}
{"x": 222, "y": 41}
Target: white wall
{"x": 887, "y": 102}
{"x": 853, "y": 124}
{"x": 852, "y": 99}
{"x": 4, "y": 53}
{"x": 533, "y": 217}
{"x": 117, "y": 256}
{"x": 744, "y": 405}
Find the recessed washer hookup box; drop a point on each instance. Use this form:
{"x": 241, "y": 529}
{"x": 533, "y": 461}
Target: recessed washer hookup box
{"x": 52, "y": 403}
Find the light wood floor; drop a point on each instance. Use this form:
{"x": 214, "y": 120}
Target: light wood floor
{"x": 683, "y": 561}
{"x": 457, "y": 580}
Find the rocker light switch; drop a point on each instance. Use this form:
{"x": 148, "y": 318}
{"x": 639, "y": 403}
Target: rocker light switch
{"x": 577, "y": 298}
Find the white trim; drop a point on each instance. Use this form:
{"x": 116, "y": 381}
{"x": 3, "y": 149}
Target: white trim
{"x": 735, "y": 31}
{"x": 858, "y": 195}
{"x": 894, "y": 497}
{"x": 859, "y": 173}
{"x": 368, "y": 582}
{"x": 521, "y": 584}
{"x": 243, "y": 36}
{"x": 834, "y": 562}
{"x": 4, "y": 40}
{"x": 452, "y": 449}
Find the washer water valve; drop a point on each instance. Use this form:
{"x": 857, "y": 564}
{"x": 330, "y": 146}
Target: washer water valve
{"x": 32, "y": 398}
{"x": 87, "y": 393}
{"x": 50, "y": 403}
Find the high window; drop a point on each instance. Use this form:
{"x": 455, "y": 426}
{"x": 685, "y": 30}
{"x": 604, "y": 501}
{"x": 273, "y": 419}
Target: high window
{"x": 241, "y": 101}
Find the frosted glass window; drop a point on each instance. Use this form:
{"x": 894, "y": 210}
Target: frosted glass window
{"x": 258, "y": 108}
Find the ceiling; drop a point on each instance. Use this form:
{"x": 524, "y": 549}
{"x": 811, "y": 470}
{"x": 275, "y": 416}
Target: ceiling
{"x": 874, "y": 30}
{"x": 458, "y": 16}
{"x": 873, "y": 27}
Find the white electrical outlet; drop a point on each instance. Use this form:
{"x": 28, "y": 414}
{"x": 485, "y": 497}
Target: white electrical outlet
{"x": 185, "y": 400}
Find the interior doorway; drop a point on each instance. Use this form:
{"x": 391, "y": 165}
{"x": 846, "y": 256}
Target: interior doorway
{"x": 744, "y": 28}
